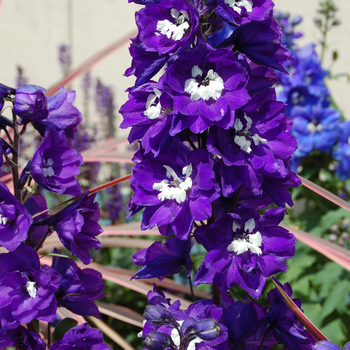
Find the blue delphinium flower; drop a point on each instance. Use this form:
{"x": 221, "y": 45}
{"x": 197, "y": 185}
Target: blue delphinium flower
{"x": 342, "y": 151}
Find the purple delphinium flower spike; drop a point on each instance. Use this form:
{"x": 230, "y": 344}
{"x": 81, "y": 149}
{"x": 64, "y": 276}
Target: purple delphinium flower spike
{"x": 286, "y": 328}
{"x": 178, "y": 189}
{"x": 15, "y": 220}
{"x": 81, "y": 337}
{"x": 55, "y": 164}
{"x": 77, "y": 227}
{"x": 31, "y": 103}
{"x": 244, "y": 249}
{"x": 27, "y": 291}
{"x": 21, "y": 338}
{"x": 207, "y": 87}
{"x": 79, "y": 288}
{"x": 62, "y": 114}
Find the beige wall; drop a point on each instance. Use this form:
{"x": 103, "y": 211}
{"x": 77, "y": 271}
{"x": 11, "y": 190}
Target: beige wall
{"x": 32, "y": 30}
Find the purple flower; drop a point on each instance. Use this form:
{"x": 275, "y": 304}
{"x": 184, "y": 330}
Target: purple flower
{"x": 31, "y": 103}
{"x": 5, "y": 148}
{"x": 178, "y": 189}
{"x": 169, "y": 26}
{"x": 14, "y": 220}
{"x": 62, "y": 114}
{"x": 207, "y": 87}
{"x": 78, "y": 288}
{"x": 244, "y": 249}
{"x": 27, "y": 291}
{"x": 21, "y": 338}
{"x": 327, "y": 345}
{"x": 5, "y": 91}
{"x": 81, "y": 337}
{"x": 342, "y": 152}
{"x": 164, "y": 259}
{"x": 149, "y": 112}
{"x": 55, "y": 164}
{"x": 77, "y": 226}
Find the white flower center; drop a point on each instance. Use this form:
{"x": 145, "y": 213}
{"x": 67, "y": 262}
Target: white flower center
{"x": 243, "y": 136}
{"x": 175, "y": 336}
{"x": 31, "y": 289}
{"x": 175, "y": 188}
{"x": 47, "y": 168}
{"x": 174, "y": 31}
{"x": 3, "y": 220}
{"x": 313, "y": 127}
{"x": 153, "y": 109}
{"x": 209, "y": 87}
{"x": 237, "y": 4}
{"x": 249, "y": 241}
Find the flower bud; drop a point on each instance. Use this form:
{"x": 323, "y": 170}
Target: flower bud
{"x": 158, "y": 341}
{"x": 344, "y": 236}
{"x": 334, "y": 229}
{"x": 345, "y": 223}
{"x": 333, "y": 237}
{"x": 206, "y": 329}
{"x": 158, "y": 315}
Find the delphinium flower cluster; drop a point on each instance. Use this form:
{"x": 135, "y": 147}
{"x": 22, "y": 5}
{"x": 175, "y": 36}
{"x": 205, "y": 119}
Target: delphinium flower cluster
{"x": 212, "y": 169}
{"x": 31, "y": 292}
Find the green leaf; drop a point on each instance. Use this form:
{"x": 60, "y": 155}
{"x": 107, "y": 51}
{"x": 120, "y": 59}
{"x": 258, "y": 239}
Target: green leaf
{"x": 63, "y": 327}
{"x": 334, "y": 332}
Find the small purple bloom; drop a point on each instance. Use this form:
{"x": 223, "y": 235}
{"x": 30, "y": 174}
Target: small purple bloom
{"x": 5, "y": 91}
{"x": 77, "y": 227}
{"x": 342, "y": 152}
{"x": 244, "y": 249}
{"x": 30, "y": 103}
{"x": 79, "y": 288}
{"x": 81, "y": 337}
{"x": 27, "y": 291}
{"x": 326, "y": 345}
{"x": 55, "y": 164}
{"x": 15, "y": 220}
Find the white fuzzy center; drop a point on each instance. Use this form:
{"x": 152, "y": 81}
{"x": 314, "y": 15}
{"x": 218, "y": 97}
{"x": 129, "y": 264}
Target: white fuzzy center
{"x": 243, "y": 136}
{"x": 31, "y": 289}
{"x": 175, "y": 336}
{"x": 176, "y": 30}
{"x": 3, "y": 220}
{"x": 237, "y": 4}
{"x": 153, "y": 109}
{"x": 174, "y": 188}
{"x": 250, "y": 241}
{"x": 47, "y": 168}
{"x": 209, "y": 87}
{"x": 313, "y": 127}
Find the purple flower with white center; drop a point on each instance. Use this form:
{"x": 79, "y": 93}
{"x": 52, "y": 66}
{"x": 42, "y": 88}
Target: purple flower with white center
{"x": 236, "y": 12}
{"x": 62, "y": 114}
{"x": 164, "y": 259}
{"x": 207, "y": 87}
{"x": 55, "y": 164}
{"x": 27, "y": 291}
{"x": 286, "y": 328}
{"x": 5, "y": 91}
{"x": 241, "y": 319}
{"x": 342, "y": 152}
{"x": 81, "y": 337}
{"x": 77, "y": 227}
{"x": 21, "y": 338}
{"x": 178, "y": 189}
{"x": 149, "y": 112}
{"x": 257, "y": 144}
{"x": 244, "y": 249}
{"x": 260, "y": 41}
{"x": 31, "y": 103}
{"x": 170, "y": 26}
{"x": 315, "y": 128}
{"x": 79, "y": 288}
{"x": 15, "y": 220}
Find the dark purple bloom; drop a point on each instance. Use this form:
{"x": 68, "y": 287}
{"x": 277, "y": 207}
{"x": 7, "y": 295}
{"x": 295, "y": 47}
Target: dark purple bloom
{"x": 287, "y": 329}
{"x": 5, "y": 148}
{"x": 79, "y": 288}
{"x": 207, "y": 86}
{"x": 14, "y": 220}
{"x": 31, "y": 103}
{"x": 21, "y": 338}
{"x": 241, "y": 320}
{"x": 164, "y": 259}
{"x": 62, "y": 114}
{"x": 81, "y": 337}
{"x": 149, "y": 112}
{"x": 55, "y": 164}
{"x": 342, "y": 152}
{"x": 27, "y": 291}
{"x": 260, "y": 41}
{"x": 5, "y": 91}
{"x": 175, "y": 188}
{"x": 244, "y": 249}
{"x": 77, "y": 227}
{"x": 169, "y": 26}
